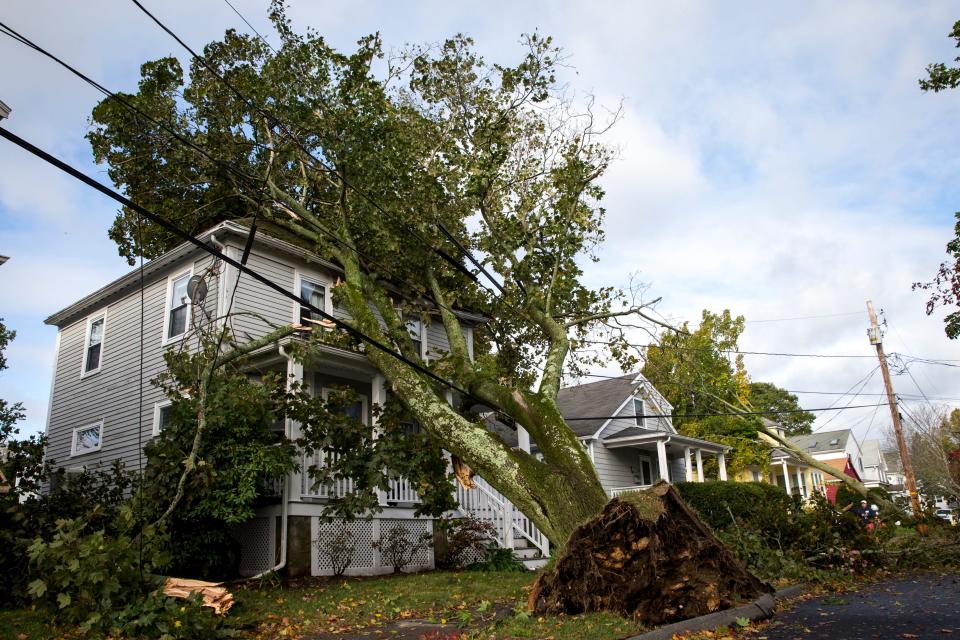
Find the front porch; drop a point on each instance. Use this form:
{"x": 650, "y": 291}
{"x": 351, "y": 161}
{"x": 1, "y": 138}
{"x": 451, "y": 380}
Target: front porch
{"x": 662, "y": 455}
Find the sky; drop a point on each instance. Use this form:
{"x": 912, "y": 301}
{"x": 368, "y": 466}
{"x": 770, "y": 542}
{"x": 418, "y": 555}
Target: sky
{"x": 776, "y": 160}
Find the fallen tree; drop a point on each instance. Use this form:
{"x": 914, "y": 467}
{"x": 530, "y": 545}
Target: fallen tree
{"x": 647, "y": 555}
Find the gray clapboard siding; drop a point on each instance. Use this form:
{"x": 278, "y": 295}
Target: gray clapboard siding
{"x": 616, "y": 467}
{"x": 113, "y": 394}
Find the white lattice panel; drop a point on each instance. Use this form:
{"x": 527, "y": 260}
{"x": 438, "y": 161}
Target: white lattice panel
{"x": 364, "y": 556}
{"x": 257, "y": 538}
{"x": 416, "y": 529}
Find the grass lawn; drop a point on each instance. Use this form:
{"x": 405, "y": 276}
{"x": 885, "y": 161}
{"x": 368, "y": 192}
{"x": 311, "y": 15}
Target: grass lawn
{"x": 478, "y": 604}
{"x": 467, "y": 599}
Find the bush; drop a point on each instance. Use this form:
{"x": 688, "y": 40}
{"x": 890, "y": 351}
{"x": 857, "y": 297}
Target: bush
{"x": 398, "y": 547}
{"x": 339, "y": 549}
{"x": 761, "y": 507}
{"x": 466, "y": 541}
{"x": 497, "y": 558}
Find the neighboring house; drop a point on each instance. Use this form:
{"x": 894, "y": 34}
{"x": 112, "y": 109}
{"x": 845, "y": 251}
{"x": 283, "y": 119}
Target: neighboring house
{"x": 103, "y": 408}
{"x": 875, "y": 471}
{"x": 785, "y": 470}
{"x": 639, "y": 446}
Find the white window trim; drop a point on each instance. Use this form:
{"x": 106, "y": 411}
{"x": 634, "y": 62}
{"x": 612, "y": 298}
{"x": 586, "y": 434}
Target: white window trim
{"x": 364, "y": 406}
{"x": 167, "y": 308}
{"x": 86, "y": 343}
{"x": 73, "y": 443}
{"x": 157, "y": 408}
{"x": 298, "y": 278}
{"x": 643, "y": 417}
{"x": 423, "y": 335}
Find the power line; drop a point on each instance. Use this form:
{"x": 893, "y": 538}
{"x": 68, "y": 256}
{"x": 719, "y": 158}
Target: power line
{"x": 731, "y": 351}
{"x": 729, "y": 413}
{"x": 270, "y": 117}
{"x": 171, "y": 227}
{"x": 229, "y": 167}
{"x": 826, "y": 315}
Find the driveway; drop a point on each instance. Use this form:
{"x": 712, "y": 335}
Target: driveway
{"x": 925, "y": 605}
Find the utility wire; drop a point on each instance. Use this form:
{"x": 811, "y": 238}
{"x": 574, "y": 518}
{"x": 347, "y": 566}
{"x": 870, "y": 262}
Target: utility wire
{"x": 730, "y": 351}
{"x": 321, "y": 163}
{"x": 227, "y": 166}
{"x": 171, "y": 227}
{"x": 729, "y": 413}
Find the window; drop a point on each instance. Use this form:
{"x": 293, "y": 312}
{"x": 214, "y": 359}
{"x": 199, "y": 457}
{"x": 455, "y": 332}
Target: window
{"x": 316, "y": 295}
{"x": 162, "y": 411}
{"x": 357, "y": 410}
{"x": 834, "y": 442}
{"x": 638, "y": 411}
{"x": 415, "y": 329}
{"x": 94, "y": 345}
{"x": 178, "y": 307}
{"x": 87, "y": 439}
{"x": 756, "y": 475}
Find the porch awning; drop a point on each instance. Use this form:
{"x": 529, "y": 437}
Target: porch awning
{"x": 632, "y": 436}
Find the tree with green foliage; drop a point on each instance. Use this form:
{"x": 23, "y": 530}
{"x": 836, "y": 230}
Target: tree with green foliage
{"x": 699, "y": 372}
{"x": 785, "y": 408}
{"x": 944, "y": 288}
{"x": 369, "y": 160}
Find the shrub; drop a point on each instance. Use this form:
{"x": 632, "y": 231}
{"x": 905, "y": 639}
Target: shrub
{"x": 466, "y": 541}
{"x": 497, "y": 558}
{"x": 85, "y": 577}
{"x": 761, "y": 507}
{"x": 398, "y": 547}
{"x": 339, "y": 549}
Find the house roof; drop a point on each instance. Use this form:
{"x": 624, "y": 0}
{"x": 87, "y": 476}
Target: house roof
{"x": 822, "y": 441}
{"x": 634, "y": 434}
{"x": 594, "y": 400}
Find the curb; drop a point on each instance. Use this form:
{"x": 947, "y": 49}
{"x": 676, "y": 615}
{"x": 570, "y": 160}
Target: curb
{"x": 760, "y": 609}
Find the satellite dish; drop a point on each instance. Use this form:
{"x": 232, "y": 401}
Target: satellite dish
{"x": 197, "y": 289}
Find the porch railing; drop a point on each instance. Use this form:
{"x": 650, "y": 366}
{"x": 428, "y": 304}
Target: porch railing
{"x": 621, "y": 490}
{"x": 486, "y": 503}
{"x": 399, "y": 489}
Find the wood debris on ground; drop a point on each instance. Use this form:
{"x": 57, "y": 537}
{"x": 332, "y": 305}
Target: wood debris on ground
{"x": 214, "y": 596}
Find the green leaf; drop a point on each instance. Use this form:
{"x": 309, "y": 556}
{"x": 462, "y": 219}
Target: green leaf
{"x": 64, "y": 600}
{"x": 37, "y": 588}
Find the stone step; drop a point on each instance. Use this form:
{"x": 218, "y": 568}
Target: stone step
{"x": 534, "y": 563}
{"x": 527, "y": 552}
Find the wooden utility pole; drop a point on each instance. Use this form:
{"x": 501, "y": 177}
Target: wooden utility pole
{"x": 876, "y": 339}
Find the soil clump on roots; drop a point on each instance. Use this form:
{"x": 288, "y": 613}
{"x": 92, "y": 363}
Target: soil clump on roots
{"x": 647, "y": 555}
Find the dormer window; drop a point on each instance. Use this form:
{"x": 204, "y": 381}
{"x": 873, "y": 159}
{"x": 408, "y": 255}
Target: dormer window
{"x": 639, "y": 411}
{"x": 316, "y": 295}
{"x": 178, "y": 307}
{"x": 94, "y": 345}
{"x": 834, "y": 442}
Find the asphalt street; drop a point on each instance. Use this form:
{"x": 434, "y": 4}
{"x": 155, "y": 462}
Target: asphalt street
{"x": 919, "y": 606}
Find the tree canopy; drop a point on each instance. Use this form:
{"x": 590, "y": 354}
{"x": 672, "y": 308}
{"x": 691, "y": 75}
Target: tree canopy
{"x": 944, "y": 288}
{"x": 386, "y": 164}
{"x": 766, "y": 396}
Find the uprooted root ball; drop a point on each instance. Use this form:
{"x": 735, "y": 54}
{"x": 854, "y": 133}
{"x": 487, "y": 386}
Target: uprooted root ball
{"x": 646, "y": 555}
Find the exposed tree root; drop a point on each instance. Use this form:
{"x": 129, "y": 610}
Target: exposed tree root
{"x": 649, "y": 556}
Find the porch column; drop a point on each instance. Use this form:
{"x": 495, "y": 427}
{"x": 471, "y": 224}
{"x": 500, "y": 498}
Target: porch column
{"x": 800, "y": 484}
{"x": 662, "y": 460}
{"x": 688, "y": 464}
{"x": 378, "y": 396}
{"x": 722, "y": 462}
{"x": 786, "y": 478}
{"x": 298, "y": 479}
{"x": 523, "y": 439}
{"x": 699, "y": 465}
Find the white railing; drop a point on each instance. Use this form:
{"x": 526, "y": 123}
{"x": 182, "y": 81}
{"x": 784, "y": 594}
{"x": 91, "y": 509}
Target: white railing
{"x": 399, "y": 490}
{"x": 332, "y": 488}
{"x": 621, "y": 490}
{"x": 486, "y": 503}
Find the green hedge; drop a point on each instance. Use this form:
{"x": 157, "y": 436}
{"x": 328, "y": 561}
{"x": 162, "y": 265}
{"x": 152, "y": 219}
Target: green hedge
{"x": 760, "y": 506}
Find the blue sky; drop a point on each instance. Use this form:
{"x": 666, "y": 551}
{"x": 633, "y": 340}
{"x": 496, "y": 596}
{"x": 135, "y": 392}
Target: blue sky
{"x": 776, "y": 160}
